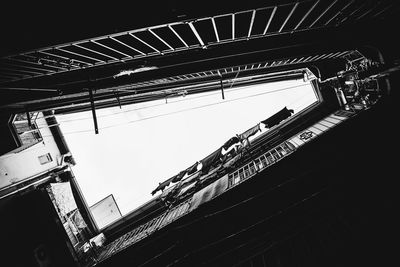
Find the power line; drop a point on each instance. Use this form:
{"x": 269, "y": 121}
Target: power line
{"x": 136, "y": 109}
{"x": 183, "y": 110}
{"x": 297, "y": 107}
{"x": 156, "y": 105}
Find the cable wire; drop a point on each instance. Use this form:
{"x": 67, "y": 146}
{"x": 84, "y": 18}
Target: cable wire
{"x": 180, "y": 111}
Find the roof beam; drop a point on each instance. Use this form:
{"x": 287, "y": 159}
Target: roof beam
{"x": 94, "y": 51}
{"x": 80, "y": 55}
{"x": 233, "y": 26}
{"x": 161, "y": 39}
{"x": 215, "y": 29}
{"x": 112, "y": 49}
{"x": 143, "y": 42}
{"x": 251, "y": 23}
{"x": 354, "y": 11}
{"x": 270, "y": 19}
{"x": 177, "y": 35}
{"x": 288, "y": 17}
{"x": 306, "y": 15}
{"x": 323, "y": 13}
{"x": 126, "y": 45}
{"x": 196, "y": 33}
{"x": 339, "y": 12}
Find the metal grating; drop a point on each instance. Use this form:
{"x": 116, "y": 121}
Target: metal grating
{"x": 185, "y": 35}
{"x": 144, "y": 230}
{"x": 234, "y": 70}
{"x": 189, "y": 83}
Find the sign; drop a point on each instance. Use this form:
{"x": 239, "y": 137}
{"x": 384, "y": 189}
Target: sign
{"x": 105, "y": 212}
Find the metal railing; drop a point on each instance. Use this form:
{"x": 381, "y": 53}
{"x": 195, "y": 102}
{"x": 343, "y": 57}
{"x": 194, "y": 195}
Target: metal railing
{"x": 261, "y": 162}
{"x": 145, "y": 229}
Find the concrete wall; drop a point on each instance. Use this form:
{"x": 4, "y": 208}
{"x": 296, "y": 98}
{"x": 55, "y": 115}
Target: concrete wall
{"x": 18, "y": 167}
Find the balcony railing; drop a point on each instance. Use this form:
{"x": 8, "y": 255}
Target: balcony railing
{"x": 260, "y": 163}
{"x": 145, "y": 229}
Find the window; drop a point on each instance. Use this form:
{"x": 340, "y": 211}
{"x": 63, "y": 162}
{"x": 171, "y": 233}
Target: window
{"x": 45, "y": 159}
{"x": 28, "y": 133}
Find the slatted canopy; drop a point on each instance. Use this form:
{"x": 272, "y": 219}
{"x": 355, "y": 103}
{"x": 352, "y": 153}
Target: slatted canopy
{"x": 185, "y": 44}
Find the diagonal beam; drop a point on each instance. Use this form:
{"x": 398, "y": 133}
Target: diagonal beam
{"x": 323, "y": 13}
{"x": 80, "y": 55}
{"x": 336, "y": 54}
{"x": 382, "y": 11}
{"x": 308, "y": 58}
{"x": 326, "y": 55}
{"x": 94, "y": 51}
{"x": 288, "y": 17}
{"x": 251, "y": 23}
{"x": 319, "y": 57}
{"x": 368, "y": 11}
{"x": 161, "y": 39}
{"x": 126, "y": 45}
{"x": 270, "y": 19}
{"x": 342, "y": 53}
{"x": 339, "y": 12}
{"x": 111, "y": 49}
{"x": 143, "y": 42}
{"x": 215, "y": 29}
{"x": 196, "y": 33}
{"x": 306, "y": 15}
{"x": 314, "y": 57}
{"x": 354, "y": 12}
{"x": 177, "y": 35}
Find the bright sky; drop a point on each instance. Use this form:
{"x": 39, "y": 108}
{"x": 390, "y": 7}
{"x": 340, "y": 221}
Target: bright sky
{"x": 143, "y": 144}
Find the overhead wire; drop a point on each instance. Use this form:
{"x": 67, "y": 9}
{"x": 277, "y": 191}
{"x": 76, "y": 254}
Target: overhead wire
{"x": 297, "y": 107}
{"x": 179, "y": 111}
{"x": 151, "y": 106}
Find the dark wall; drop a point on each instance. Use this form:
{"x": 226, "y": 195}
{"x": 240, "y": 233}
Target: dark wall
{"x": 30, "y": 236}
{"x": 7, "y": 141}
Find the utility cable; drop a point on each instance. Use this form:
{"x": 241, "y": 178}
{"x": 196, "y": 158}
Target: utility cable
{"x": 180, "y": 111}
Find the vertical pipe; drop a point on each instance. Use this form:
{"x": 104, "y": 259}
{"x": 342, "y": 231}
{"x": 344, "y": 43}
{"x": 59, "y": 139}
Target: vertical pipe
{"x": 56, "y": 132}
{"x": 222, "y": 89}
{"x": 96, "y": 128}
{"x": 28, "y": 117}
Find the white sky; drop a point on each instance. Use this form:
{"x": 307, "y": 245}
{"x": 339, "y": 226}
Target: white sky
{"x": 143, "y": 144}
